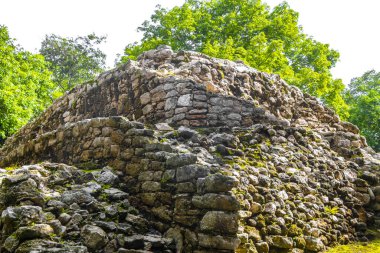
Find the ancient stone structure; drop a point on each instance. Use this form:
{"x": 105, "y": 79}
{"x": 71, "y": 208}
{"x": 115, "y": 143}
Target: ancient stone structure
{"x": 180, "y": 152}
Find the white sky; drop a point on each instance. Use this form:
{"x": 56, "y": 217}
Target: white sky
{"x": 349, "y": 26}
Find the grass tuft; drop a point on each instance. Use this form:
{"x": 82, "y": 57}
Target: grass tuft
{"x": 370, "y": 247}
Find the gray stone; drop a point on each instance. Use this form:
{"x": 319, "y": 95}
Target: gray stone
{"x": 255, "y": 207}
{"x": 185, "y": 187}
{"x": 108, "y": 226}
{"x": 92, "y": 188}
{"x": 158, "y": 96}
{"x": 274, "y": 229}
{"x": 228, "y": 140}
{"x": 181, "y": 160}
{"x": 59, "y": 230}
{"x": 35, "y": 231}
{"x": 163, "y": 127}
{"x": 150, "y": 186}
{"x": 262, "y": 247}
{"x": 253, "y": 233}
{"x": 115, "y": 194}
{"x": 218, "y": 242}
{"x": 145, "y": 98}
{"x": 45, "y": 245}
{"x": 76, "y": 196}
{"x": 190, "y": 172}
{"x": 168, "y": 176}
{"x": 56, "y": 204}
{"x": 220, "y": 222}
{"x": 217, "y": 183}
{"x": 11, "y": 243}
{"x": 176, "y": 234}
{"x": 171, "y": 93}
{"x": 234, "y": 116}
{"x": 94, "y": 237}
{"x": 270, "y": 208}
{"x": 185, "y": 100}
{"x": 216, "y": 202}
{"x": 376, "y": 191}
{"x": 200, "y": 97}
{"x": 64, "y": 218}
{"x": 139, "y": 132}
{"x": 180, "y": 110}
{"x": 281, "y": 242}
{"x": 314, "y": 244}
{"x": 178, "y": 117}
{"x": 216, "y": 100}
{"x": 170, "y": 103}
{"x": 185, "y": 132}
{"x": 24, "y": 215}
{"x": 106, "y": 176}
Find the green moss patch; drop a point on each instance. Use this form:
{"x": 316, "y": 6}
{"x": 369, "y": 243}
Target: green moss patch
{"x": 371, "y": 247}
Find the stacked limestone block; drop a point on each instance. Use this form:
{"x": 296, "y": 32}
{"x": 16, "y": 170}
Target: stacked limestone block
{"x": 191, "y": 89}
{"x": 181, "y": 191}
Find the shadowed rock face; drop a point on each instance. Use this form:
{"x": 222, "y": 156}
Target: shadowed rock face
{"x": 179, "y": 152}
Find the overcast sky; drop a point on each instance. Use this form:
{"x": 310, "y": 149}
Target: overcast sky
{"x": 349, "y": 26}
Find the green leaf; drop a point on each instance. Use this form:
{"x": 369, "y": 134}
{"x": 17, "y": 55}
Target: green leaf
{"x": 247, "y": 30}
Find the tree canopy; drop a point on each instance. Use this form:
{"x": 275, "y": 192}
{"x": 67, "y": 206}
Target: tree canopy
{"x": 73, "y": 60}
{"x": 363, "y": 97}
{"x": 25, "y": 85}
{"x": 268, "y": 40}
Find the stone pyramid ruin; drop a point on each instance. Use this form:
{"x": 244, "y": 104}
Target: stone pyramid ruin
{"x": 181, "y": 152}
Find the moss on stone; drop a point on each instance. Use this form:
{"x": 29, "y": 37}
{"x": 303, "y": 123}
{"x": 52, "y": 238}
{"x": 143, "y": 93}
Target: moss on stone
{"x": 371, "y": 247}
{"x": 88, "y": 166}
{"x": 331, "y": 210}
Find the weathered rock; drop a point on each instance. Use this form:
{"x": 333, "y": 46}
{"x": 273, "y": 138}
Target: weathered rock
{"x": 21, "y": 216}
{"x": 255, "y": 207}
{"x": 217, "y": 183}
{"x": 106, "y": 176}
{"x": 11, "y": 243}
{"x": 76, "y": 196}
{"x": 314, "y": 244}
{"x": 44, "y": 246}
{"x": 34, "y": 232}
{"x": 279, "y": 241}
{"x": 115, "y": 194}
{"x": 218, "y": 242}
{"x": 190, "y": 172}
{"x": 216, "y": 202}
{"x": 184, "y": 100}
{"x": 262, "y": 247}
{"x": 181, "y": 160}
{"x": 221, "y": 222}
{"x": 225, "y": 139}
{"x": 270, "y": 208}
{"x": 94, "y": 237}
{"x": 186, "y": 132}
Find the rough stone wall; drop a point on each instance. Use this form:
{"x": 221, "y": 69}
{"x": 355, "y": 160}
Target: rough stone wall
{"x": 268, "y": 169}
{"x": 50, "y": 207}
{"x": 190, "y": 89}
{"x": 175, "y": 188}
{"x": 257, "y": 188}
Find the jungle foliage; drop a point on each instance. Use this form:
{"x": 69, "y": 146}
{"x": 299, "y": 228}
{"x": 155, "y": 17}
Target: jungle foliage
{"x": 248, "y": 30}
{"x": 25, "y": 85}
